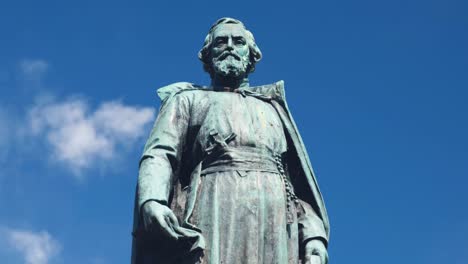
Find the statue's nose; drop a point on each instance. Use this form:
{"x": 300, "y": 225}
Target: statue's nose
{"x": 229, "y": 44}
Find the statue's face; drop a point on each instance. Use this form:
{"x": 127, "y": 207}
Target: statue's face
{"x": 230, "y": 51}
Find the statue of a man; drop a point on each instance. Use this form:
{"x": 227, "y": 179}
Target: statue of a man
{"x": 224, "y": 176}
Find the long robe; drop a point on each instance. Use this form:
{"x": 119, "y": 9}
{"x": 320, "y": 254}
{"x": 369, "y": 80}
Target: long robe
{"x": 211, "y": 158}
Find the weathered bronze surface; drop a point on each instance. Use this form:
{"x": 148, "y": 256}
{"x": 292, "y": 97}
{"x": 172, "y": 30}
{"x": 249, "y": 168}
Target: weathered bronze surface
{"x": 224, "y": 176}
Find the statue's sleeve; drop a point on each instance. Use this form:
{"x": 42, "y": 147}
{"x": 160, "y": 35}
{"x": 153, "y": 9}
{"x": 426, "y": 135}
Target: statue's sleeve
{"x": 160, "y": 162}
{"x": 310, "y": 225}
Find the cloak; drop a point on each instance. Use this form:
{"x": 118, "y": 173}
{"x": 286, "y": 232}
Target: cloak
{"x": 179, "y": 192}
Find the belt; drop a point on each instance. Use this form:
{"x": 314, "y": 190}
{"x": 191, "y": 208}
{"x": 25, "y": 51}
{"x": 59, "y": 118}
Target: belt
{"x": 241, "y": 158}
{"x": 252, "y": 159}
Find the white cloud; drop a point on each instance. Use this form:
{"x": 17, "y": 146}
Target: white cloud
{"x": 33, "y": 70}
{"x": 36, "y": 247}
{"x": 81, "y": 138}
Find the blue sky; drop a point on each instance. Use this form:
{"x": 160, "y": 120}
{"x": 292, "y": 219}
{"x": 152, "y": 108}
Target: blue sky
{"x": 378, "y": 89}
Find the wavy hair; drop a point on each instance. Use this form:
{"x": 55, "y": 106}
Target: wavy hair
{"x": 205, "y": 53}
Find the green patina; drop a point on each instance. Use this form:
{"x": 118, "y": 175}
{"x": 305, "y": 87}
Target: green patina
{"x": 224, "y": 176}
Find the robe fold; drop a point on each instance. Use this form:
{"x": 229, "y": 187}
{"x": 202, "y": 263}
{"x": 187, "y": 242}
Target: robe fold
{"x": 229, "y": 165}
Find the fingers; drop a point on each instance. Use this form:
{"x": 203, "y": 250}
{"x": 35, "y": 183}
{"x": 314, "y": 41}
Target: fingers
{"x": 316, "y": 257}
{"x": 325, "y": 258}
{"x": 312, "y": 259}
{"x": 160, "y": 219}
{"x": 173, "y": 219}
{"x": 315, "y": 260}
{"x": 166, "y": 228}
{"x": 316, "y": 252}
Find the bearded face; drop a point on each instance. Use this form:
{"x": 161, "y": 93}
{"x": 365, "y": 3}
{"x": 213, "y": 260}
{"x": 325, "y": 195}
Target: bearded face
{"x": 230, "y": 64}
{"x": 230, "y": 51}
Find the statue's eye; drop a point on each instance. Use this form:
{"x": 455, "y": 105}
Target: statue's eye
{"x": 220, "y": 42}
{"x": 240, "y": 41}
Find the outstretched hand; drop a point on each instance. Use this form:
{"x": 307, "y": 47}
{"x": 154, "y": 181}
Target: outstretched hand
{"x": 315, "y": 252}
{"x": 159, "y": 218}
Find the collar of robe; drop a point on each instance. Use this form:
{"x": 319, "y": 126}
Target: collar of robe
{"x": 274, "y": 91}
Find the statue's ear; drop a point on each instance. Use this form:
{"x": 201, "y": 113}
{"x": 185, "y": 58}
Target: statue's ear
{"x": 166, "y": 92}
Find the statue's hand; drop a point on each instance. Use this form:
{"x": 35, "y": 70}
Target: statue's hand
{"x": 315, "y": 252}
{"x": 159, "y": 218}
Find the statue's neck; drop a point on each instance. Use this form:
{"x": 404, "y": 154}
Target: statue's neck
{"x": 229, "y": 84}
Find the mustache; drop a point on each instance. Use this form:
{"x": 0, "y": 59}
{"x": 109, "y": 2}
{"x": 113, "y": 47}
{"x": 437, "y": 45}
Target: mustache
{"x": 225, "y": 54}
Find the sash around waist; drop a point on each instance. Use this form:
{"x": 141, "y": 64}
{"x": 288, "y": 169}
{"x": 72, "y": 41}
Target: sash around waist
{"x": 242, "y": 158}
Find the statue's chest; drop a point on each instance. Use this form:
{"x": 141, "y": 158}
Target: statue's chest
{"x": 252, "y": 120}
{"x": 238, "y": 110}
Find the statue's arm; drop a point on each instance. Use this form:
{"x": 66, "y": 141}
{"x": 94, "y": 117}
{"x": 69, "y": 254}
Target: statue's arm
{"x": 310, "y": 225}
{"x": 312, "y": 235}
{"x": 161, "y": 156}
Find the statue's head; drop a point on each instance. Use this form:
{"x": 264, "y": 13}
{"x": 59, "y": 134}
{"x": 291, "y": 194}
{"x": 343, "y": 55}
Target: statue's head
{"x": 229, "y": 49}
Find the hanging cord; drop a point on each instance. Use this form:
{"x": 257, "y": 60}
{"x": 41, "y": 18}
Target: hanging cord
{"x": 291, "y": 199}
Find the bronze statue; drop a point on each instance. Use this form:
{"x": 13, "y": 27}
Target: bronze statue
{"x": 224, "y": 176}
